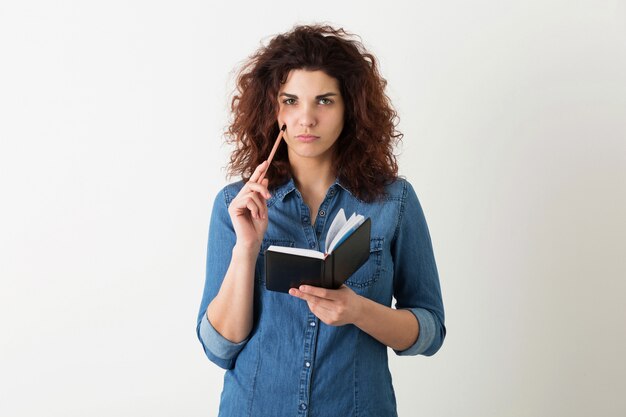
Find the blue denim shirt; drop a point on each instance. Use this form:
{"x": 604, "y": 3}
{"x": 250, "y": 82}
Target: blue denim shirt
{"x": 292, "y": 364}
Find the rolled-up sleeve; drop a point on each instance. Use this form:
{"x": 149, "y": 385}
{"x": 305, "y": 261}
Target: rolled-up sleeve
{"x": 416, "y": 280}
{"x": 217, "y": 348}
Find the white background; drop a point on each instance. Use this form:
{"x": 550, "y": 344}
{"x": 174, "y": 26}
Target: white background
{"x": 111, "y": 121}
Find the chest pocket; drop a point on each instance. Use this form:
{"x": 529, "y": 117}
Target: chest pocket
{"x": 369, "y": 272}
{"x": 260, "y": 262}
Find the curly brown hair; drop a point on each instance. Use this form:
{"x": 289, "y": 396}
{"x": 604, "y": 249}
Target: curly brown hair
{"x": 364, "y": 157}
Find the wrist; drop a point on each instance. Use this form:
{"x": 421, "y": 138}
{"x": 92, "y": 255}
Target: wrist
{"x": 249, "y": 251}
{"x": 360, "y": 310}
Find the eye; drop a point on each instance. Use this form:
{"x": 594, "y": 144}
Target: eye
{"x": 289, "y": 101}
{"x": 326, "y": 101}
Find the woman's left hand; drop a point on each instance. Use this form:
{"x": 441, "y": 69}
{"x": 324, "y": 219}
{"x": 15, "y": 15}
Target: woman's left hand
{"x": 333, "y": 307}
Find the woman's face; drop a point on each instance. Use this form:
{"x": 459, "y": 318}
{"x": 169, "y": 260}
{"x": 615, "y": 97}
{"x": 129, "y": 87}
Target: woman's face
{"x": 311, "y": 106}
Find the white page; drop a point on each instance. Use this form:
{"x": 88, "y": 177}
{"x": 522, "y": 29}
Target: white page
{"x": 355, "y": 221}
{"x": 344, "y": 228}
{"x": 335, "y": 227}
{"x": 297, "y": 251}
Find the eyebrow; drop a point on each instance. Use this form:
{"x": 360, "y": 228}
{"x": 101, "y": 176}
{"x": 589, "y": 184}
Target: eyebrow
{"x": 316, "y": 97}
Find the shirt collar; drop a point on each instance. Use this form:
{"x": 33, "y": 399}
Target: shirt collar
{"x": 338, "y": 183}
{"x": 282, "y": 191}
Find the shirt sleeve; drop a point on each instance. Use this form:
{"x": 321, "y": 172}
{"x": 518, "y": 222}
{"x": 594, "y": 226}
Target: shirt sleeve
{"x": 217, "y": 348}
{"x": 416, "y": 280}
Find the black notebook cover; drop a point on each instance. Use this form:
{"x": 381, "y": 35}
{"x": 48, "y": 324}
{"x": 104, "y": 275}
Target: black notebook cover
{"x": 284, "y": 271}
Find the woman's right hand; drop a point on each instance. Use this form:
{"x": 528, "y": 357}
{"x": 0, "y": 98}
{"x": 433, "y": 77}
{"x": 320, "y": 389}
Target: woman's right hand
{"x": 248, "y": 211}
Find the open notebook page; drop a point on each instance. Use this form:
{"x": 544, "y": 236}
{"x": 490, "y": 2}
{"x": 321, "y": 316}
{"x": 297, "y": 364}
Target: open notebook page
{"x": 335, "y": 227}
{"x": 351, "y": 225}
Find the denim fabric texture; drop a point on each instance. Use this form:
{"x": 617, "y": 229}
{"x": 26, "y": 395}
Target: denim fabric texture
{"x": 292, "y": 364}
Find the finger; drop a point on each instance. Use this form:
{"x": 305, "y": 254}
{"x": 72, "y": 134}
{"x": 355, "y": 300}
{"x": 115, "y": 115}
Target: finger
{"x": 256, "y": 205}
{"x": 318, "y": 292}
{"x": 249, "y": 202}
{"x": 241, "y": 200}
{"x": 258, "y": 171}
{"x": 312, "y": 300}
{"x": 260, "y": 203}
{"x": 260, "y": 188}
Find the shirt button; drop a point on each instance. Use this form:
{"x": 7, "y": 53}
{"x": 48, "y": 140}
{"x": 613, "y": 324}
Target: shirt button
{"x": 312, "y": 324}
{"x": 302, "y": 406}
{"x": 322, "y": 213}
{"x": 332, "y": 192}
{"x": 307, "y": 364}
{"x": 312, "y": 245}
{"x": 305, "y": 219}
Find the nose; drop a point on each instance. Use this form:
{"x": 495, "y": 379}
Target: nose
{"x": 308, "y": 117}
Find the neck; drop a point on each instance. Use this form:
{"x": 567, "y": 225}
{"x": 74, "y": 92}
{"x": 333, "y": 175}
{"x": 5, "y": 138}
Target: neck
{"x": 313, "y": 176}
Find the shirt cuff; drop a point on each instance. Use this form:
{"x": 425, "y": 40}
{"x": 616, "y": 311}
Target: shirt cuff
{"x": 426, "y": 335}
{"x": 217, "y": 344}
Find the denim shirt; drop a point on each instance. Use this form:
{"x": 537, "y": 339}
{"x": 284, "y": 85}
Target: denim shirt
{"x": 292, "y": 364}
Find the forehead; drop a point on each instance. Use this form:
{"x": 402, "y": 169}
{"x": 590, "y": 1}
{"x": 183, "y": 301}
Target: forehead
{"x": 301, "y": 81}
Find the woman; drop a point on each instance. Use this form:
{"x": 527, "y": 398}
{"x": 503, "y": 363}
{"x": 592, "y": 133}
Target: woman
{"x": 315, "y": 351}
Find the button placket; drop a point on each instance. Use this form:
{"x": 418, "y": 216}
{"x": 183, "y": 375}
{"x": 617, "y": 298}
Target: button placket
{"x": 307, "y": 228}
{"x": 322, "y": 213}
{"x": 309, "y": 352}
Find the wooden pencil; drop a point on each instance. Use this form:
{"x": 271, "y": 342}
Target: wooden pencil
{"x": 276, "y": 143}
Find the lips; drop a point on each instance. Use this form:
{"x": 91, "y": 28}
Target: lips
{"x": 307, "y": 138}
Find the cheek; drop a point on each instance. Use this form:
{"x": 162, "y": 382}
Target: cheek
{"x": 286, "y": 115}
{"x": 336, "y": 120}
